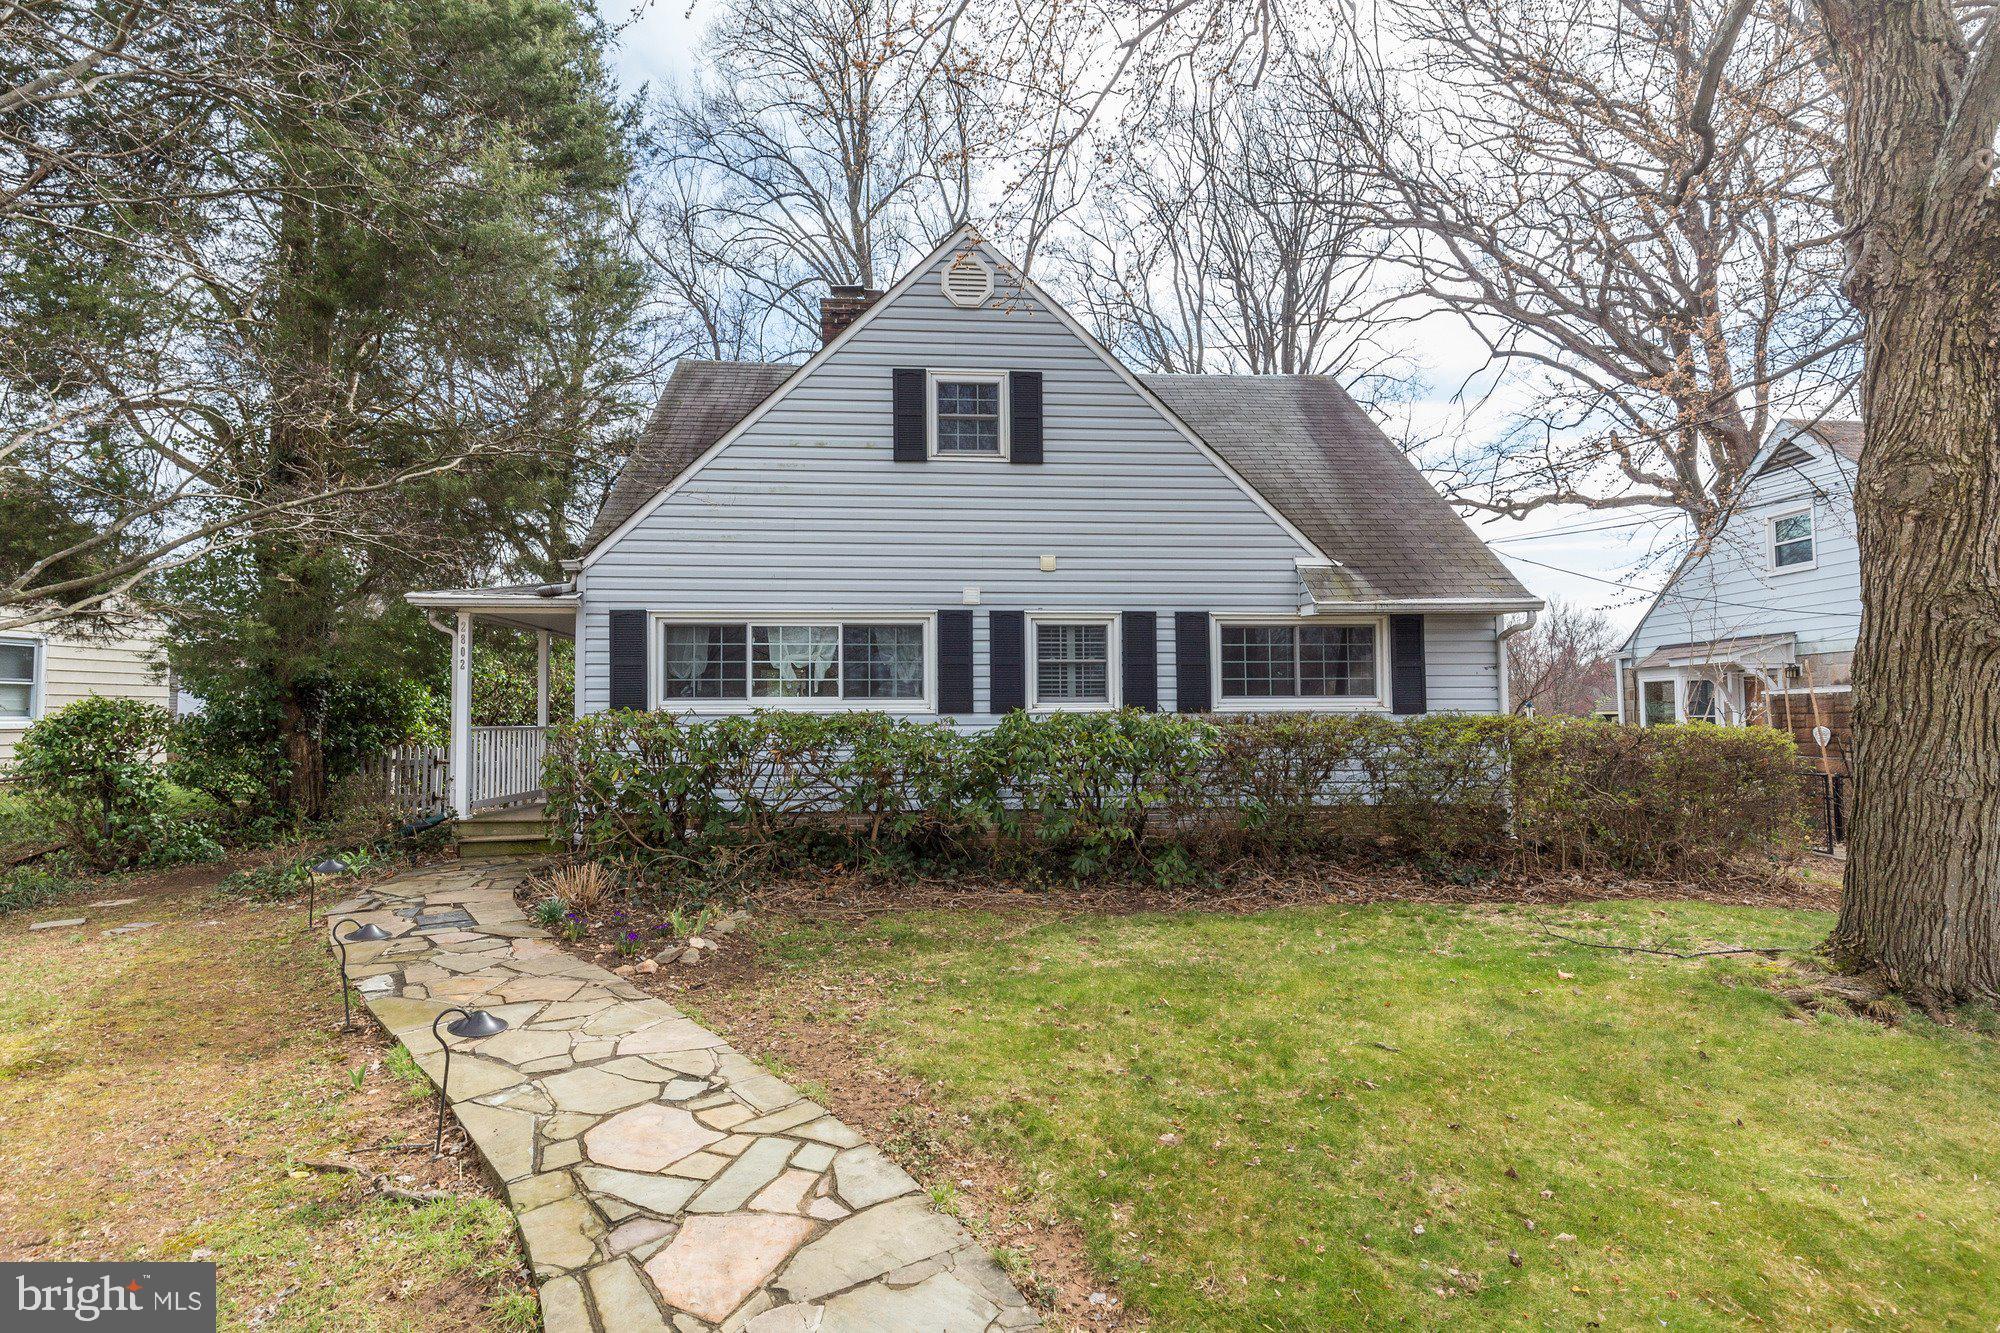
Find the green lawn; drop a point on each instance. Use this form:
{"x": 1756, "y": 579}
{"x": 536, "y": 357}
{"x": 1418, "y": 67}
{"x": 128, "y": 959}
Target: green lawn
{"x": 170, "y": 1094}
{"x": 1374, "y": 1107}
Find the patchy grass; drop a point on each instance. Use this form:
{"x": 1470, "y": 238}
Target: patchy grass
{"x": 1336, "y": 1116}
{"x": 178, "y": 1092}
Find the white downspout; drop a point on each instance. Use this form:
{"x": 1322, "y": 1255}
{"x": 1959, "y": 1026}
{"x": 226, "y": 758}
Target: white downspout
{"x": 1500, "y": 654}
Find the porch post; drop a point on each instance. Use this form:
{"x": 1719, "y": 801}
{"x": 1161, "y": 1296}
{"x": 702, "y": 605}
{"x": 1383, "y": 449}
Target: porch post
{"x": 461, "y": 715}
{"x": 541, "y": 678}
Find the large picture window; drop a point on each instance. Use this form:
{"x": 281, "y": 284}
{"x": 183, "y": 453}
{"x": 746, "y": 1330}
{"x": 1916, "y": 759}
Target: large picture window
{"x": 794, "y": 663}
{"x": 1298, "y": 662}
{"x": 17, "y": 680}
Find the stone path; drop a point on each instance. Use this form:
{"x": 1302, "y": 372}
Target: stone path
{"x": 661, "y": 1179}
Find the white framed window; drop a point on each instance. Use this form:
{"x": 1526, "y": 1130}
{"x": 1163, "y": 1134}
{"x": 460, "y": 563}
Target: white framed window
{"x": 20, "y": 681}
{"x": 968, "y": 414}
{"x": 1690, "y": 695}
{"x": 1073, "y": 662}
{"x": 1275, "y": 663}
{"x": 736, "y": 663}
{"x": 1793, "y": 543}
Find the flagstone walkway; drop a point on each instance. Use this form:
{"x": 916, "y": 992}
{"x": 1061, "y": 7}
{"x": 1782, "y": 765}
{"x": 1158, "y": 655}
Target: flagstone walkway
{"x": 661, "y": 1179}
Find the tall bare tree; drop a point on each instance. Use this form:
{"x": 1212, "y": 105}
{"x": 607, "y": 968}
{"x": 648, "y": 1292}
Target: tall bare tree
{"x": 1562, "y": 666}
{"x": 1920, "y": 83}
{"x": 1642, "y": 236}
{"x": 1230, "y": 240}
{"x": 835, "y": 139}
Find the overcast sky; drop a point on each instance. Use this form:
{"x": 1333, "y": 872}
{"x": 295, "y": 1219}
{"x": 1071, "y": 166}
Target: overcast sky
{"x": 1597, "y": 560}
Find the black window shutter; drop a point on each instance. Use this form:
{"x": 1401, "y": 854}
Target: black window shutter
{"x": 1024, "y": 412}
{"x": 1191, "y": 692}
{"x": 628, "y": 659}
{"x": 1407, "y": 689}
{"x": 1139, "y": 645}
{"x": 1007, "y": 661}
{"x": 910, "y": 416}
{"x": 954, "y": 635}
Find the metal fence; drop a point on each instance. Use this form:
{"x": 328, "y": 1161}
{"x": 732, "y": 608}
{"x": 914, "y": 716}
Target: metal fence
{"x": 1829, "y": 800}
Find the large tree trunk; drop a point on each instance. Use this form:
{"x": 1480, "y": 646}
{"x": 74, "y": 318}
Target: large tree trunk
{"x": 1922, "y": 894}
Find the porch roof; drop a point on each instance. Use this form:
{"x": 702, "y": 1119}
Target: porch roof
{"x": 1761, "y": 651}
{"x": 543, "y": 606}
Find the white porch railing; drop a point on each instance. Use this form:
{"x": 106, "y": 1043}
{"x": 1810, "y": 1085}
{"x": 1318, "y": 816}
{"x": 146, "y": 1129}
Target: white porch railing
{"x": 506, "y": 765}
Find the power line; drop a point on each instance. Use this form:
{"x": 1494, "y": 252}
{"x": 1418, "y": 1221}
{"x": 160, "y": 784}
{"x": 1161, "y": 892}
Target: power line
{"x": 1633, "y": 587}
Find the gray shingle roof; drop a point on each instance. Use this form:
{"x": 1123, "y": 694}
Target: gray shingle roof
{"x": 1299, "y": 440}
{"x": 702, "y": 400}
{"x": 1311, "y": 451}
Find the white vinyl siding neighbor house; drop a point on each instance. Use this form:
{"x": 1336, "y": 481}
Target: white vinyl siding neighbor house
{"x": 1760, "y": 624}
{"x": 41, "y": 672}
{"x": 963, "y": 505}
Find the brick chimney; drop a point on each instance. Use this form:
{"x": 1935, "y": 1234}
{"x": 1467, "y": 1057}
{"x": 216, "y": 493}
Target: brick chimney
{"x": 841, "y": 306}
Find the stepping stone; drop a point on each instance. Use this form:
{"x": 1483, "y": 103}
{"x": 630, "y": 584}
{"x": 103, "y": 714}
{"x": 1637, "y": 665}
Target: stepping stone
{"x": 786, "y": 1194}
{"x": 867, "y": 1246}
{"x": 715, "y": 1263}
{"x": 128, "y": 928}
{"x": 681, "y": 1034}
{"x": 64, "y": 924}
{"x": 639, "y": 1231}
{"x": 623, "y": 1303}
{"x": 127, "y": 902}
{"x": 665, "y": 1195}
{"x": 863, "y": 1177}
{"x": 813, "y": 1157}
{"x": 941, "y": 1303}
{"x": 524, "y": 1046}
{"x": 759, "y": 1165}
{"x": 647, "y": 1138}
{"x": 558, "y": 1236}
{"x": 563, "y": 1310}
{"x": 595, "y": 1092}
{"x": 505, "y": 1138}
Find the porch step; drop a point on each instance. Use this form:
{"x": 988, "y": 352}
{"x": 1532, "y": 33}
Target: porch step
{"x": 520, "y": 830}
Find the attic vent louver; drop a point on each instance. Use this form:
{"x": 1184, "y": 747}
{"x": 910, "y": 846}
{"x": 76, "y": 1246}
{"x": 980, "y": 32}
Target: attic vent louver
{"x": 967, "y": 281}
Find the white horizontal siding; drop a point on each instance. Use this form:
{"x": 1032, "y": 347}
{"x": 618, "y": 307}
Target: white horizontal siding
{"x": 74, "y": 668}
{"x": 1731, "y": 590}
{"x": 1462, "y": 668}
{"x": 808, "y": 511}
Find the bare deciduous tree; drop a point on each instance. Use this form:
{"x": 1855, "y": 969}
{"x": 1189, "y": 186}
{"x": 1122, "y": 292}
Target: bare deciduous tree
{"x": 1230, "y": 240}
{"x": 1563, "y": 665}
{"x": 1650, "y": 248}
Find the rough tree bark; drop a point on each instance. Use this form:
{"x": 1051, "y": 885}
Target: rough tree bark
{"x": 1922, "y": 97}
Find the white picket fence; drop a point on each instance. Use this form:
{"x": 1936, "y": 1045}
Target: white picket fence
{"x": 506, "y": 766}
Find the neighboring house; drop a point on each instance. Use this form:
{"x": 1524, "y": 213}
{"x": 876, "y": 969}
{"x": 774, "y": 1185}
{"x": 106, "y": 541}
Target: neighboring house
{"x": 1759, "y": 624}
{"x": 963, "y": 505}
{"x": 41, "y": 671}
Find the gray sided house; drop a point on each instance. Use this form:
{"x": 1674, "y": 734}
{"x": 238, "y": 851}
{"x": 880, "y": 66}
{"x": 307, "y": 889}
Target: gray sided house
{"x": 963, "y": 505}
{"x": 1759, "y": 624}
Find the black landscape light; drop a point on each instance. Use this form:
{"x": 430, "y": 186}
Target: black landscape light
{"x": 332, "y": 865}
{"x": 368, "y": 934}
{"x": 473, "y": 1025}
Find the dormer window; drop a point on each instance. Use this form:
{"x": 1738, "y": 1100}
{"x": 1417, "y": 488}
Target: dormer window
{"x": 968, "y": 415}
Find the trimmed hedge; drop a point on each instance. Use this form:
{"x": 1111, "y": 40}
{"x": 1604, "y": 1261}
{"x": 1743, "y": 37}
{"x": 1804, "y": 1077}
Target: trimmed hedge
{"x": 1166, "y": 794}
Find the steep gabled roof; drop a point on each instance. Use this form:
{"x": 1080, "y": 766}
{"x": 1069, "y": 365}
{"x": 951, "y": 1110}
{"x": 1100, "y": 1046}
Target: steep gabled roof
{"x": 1324, "y": 464}
{"x": 702, "y": 400}
{"x": 1299, "y": 440}
{"x": 1843, "y": 437}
